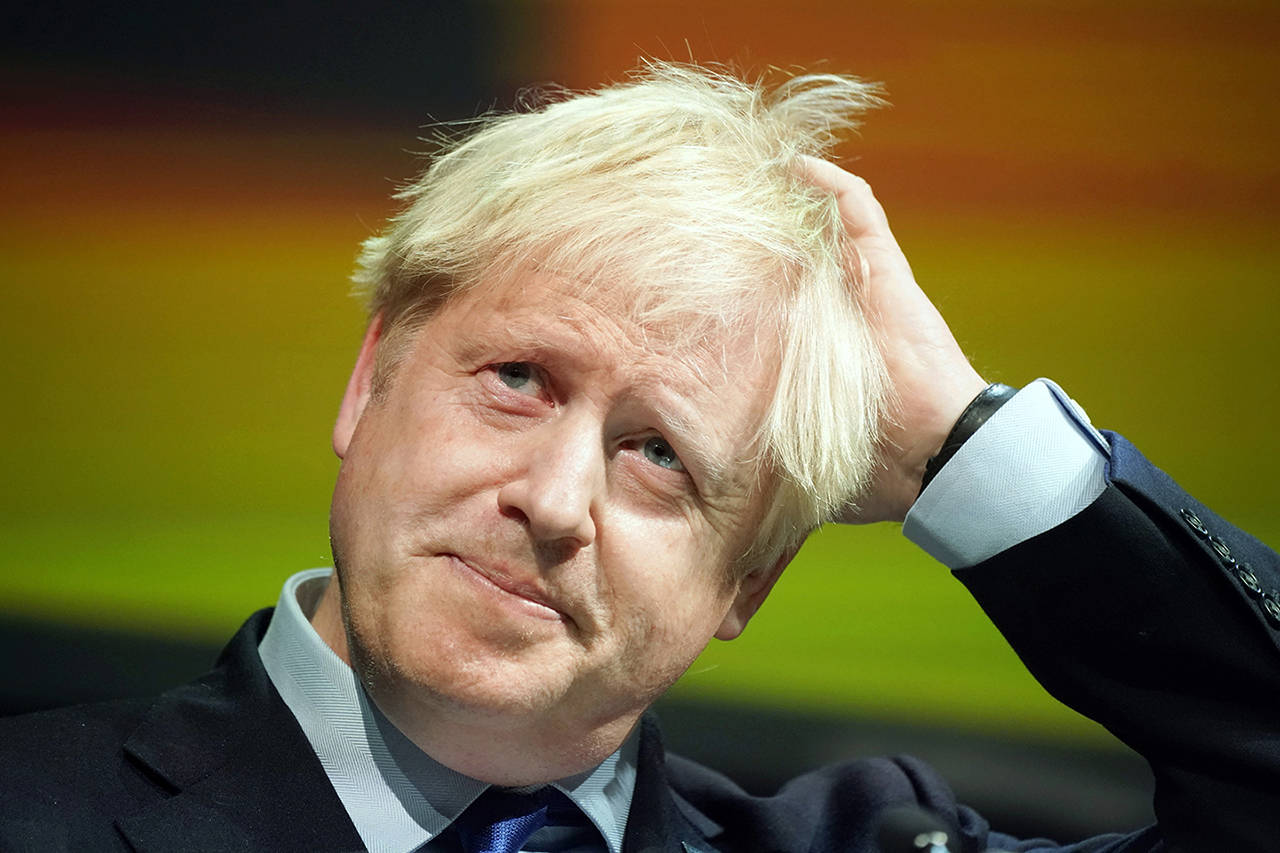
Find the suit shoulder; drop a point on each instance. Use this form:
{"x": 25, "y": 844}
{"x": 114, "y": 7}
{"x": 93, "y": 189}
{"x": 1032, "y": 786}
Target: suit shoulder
{"x": 876, "y": 780}
{"x": 66, "y": 762}
{"x": 76, "y": 732}
{"x": 823, "y": 809}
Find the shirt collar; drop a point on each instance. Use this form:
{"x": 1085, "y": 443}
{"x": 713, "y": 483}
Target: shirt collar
{"x": 397, "y": 796}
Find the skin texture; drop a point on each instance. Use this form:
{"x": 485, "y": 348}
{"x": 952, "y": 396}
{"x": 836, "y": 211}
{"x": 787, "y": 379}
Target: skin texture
{"x": 521, "y": 570}
{"x": 536, "y": 526}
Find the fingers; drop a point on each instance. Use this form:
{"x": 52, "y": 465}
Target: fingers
{"x": 862, "y": 213}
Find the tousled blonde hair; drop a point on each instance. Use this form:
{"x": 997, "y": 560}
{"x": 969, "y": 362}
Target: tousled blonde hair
{"x": 683, "y": 185}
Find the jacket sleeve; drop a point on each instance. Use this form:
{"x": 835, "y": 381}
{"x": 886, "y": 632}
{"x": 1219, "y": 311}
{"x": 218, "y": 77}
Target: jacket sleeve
{"x": 1152, "y": 615}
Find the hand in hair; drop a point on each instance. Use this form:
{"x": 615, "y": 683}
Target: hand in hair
{"x": 930, "y": 378}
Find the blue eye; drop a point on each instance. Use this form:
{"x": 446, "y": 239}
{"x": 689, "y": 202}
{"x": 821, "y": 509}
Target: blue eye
{"x": 657, "y": 451}
{"x": 518, "y": 375}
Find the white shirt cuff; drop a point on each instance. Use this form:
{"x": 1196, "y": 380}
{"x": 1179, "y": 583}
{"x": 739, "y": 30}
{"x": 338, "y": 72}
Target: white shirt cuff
{"x": 1036, "y": 463}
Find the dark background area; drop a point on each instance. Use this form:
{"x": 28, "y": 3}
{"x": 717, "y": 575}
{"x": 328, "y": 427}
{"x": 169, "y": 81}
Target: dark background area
{"x": 377, "y": 60}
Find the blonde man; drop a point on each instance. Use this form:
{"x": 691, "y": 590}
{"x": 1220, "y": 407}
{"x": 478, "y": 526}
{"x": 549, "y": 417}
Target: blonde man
{"x": 624, "y": 353}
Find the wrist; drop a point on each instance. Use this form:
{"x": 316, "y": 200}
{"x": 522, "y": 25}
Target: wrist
{"x": 916, "y": 431}
{"x": 978, "y": 411}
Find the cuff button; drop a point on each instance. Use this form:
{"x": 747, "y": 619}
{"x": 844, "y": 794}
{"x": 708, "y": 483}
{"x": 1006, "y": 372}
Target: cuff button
{"x": 1271, "y": 609}
{"x": 1248, "y": 580}
{"x": 1193, "y": 521}
{"x": 1221, "y": 549}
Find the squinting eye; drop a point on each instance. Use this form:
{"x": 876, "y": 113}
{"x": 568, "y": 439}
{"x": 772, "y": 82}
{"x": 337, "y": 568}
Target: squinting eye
{"x": 518, "y": 375}
{"x": 657, "y": 451}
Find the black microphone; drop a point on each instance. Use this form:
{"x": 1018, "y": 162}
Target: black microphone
{"x": 911, "y": 829}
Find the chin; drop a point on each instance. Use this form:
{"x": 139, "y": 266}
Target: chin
{"x": 449, "y": 679}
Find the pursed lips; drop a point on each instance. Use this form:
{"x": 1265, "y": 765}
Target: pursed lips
{"x": 503, "y": 580}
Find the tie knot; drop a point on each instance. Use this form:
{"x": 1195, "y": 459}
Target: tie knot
{"x": 502, "y": 821}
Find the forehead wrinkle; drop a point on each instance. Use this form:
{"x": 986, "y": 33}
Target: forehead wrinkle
{"x": 589, "y": 339}
{"x": 535, "y": 333}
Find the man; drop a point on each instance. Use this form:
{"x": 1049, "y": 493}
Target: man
{"x": 624, "y": 353}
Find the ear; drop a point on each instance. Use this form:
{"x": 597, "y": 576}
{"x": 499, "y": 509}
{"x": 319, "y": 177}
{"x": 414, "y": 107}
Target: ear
{"x": 755, "y": 587}
{"x": 359, "y": 387}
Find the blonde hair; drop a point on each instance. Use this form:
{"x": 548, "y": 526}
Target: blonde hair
{"x": 683, "y": 184}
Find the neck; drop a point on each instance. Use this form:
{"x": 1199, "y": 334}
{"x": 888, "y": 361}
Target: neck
{"x": 327, "y": 620}
{"x": 497, "y": 750}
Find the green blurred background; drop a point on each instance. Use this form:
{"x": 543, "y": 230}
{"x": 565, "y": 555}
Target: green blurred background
{"x": 1088, "y": 190}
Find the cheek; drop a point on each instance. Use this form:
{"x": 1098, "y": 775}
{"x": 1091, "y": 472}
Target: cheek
{"x": 661, "y": 644}
{"x": 667, "y": 594}
{"x": 449, "y": 448}
{"x": 424, "y": 461}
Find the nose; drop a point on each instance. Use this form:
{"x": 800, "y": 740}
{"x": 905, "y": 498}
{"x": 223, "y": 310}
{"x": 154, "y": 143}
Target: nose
{"x": 556, "y": 482}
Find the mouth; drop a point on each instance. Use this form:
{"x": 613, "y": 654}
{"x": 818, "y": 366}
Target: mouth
{"x": 529, "y": 597}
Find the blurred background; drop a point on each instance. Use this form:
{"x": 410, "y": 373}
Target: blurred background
{"x": 1088, "y": 190}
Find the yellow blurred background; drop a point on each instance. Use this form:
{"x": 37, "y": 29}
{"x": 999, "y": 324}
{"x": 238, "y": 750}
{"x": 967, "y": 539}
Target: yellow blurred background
{"x": 1088, "y": 190}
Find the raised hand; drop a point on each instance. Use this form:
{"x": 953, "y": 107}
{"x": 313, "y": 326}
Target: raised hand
{"x": 930, "y": 378}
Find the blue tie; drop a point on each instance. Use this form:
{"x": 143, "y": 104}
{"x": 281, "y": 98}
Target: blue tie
{"x": 501, "y": 821}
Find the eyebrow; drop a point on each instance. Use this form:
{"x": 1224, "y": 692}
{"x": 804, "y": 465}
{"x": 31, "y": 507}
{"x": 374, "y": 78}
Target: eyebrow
{"x": 518, "y": 335}
{"x": 531, "y": 335}
{"x": 715, "y": 468}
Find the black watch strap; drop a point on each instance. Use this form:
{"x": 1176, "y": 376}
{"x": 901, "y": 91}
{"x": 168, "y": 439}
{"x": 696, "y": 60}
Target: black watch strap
{"x": 977, "y": 413}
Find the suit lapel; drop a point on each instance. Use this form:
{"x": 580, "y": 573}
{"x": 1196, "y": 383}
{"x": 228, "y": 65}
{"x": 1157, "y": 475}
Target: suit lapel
{"x": 242, "y": 775}
{"x": 241, "y": 772}
{"x": 661, "y": 821}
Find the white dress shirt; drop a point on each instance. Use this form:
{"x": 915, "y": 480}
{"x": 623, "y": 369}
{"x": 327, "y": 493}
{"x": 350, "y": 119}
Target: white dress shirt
{"x": 1036, "y": 463}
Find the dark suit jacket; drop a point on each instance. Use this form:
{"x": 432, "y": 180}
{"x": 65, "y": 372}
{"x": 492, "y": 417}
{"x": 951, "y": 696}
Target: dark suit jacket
{"x": 1140, "y": 612}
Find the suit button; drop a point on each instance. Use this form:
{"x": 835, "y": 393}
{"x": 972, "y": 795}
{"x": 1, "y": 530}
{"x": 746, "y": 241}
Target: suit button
{"x": 1271, "y": 609}
{"x": 1248, "y": 580}
{"x": 1221, "y": 549}
{"x": 1193, "y": 521}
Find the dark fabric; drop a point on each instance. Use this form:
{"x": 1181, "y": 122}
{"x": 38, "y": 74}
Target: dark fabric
{"x": 1131, "y": 617}
{"x": 217, "y": 764}
{"x": 1125, "y": 612}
